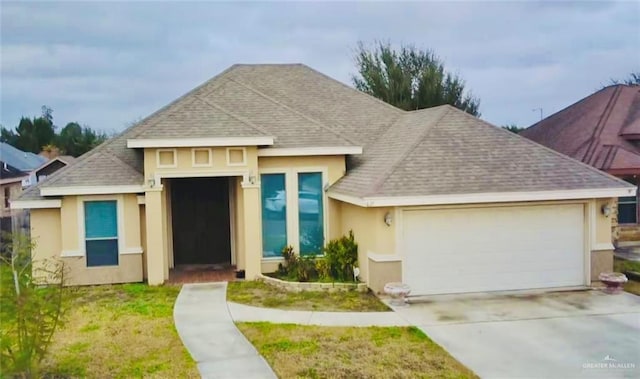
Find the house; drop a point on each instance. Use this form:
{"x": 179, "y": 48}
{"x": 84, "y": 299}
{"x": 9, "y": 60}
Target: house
{"x": 53, "y": 165}
{"x": 603, "y": 131}
{"x": 263, "y": 156}
{"x": 21, "y": 160}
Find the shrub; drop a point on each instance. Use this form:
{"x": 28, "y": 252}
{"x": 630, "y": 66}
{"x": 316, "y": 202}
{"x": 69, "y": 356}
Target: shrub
{"x": 341, "y": 256}
{"x": 33, "y": 302}
{"x": 300, "y": 269}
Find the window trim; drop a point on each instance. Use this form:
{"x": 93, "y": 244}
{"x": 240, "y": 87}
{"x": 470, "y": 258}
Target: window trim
{"x": 193, "y": 157}
{"x": 175, "y": 158}
{"x": 287, "y": 215}
{"x": 119, "y": 232}
{"x": 82, "y": 248}
{"x": 635, "y": 203}
{"x": 291, "y": 187}
{"x": 244, "y": 156}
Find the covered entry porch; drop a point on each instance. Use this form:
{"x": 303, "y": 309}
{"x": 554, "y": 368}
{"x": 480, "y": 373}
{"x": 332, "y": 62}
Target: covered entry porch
{"x": 202, "y": 228}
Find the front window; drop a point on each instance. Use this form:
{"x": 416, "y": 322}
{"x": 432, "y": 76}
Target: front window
{"x": 627, "y": 210}
{"x": 101, "y": 233}
{"x": 274, "y": 214}
{"x": 310, "y": 213}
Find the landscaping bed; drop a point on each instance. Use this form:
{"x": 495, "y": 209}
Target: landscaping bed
{"x": 261, "y": 294}
{"x": 340, "y": 352}
{"x": 120, "y": 331}
{"x": 625, "y": 266}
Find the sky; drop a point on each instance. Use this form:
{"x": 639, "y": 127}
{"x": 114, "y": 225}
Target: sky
{"x": 109, "y": 64}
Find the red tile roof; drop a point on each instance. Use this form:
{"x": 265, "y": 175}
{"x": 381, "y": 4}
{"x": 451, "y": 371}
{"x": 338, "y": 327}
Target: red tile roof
{"x": 602, "y": 130}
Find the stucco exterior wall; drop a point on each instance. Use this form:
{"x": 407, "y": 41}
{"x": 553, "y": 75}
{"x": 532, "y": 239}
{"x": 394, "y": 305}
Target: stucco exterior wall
{"x": 373, "y": 236}
{"x": 381, "y": 273}
{"x": 49, "y": 227}
{"x": 332, "y": 167}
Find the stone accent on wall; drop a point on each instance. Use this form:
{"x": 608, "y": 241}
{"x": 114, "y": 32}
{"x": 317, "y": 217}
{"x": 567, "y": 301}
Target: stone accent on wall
{"x": 312, "y": 286}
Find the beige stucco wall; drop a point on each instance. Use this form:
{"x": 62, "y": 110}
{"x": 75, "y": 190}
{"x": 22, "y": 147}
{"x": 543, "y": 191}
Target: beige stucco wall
{"x": 185, "y": 167}
{"x": 370, "y": 231}
{"x": 381, "y": 273}
{"x": 50, "y": 227}
{"x": 602, "y": 247}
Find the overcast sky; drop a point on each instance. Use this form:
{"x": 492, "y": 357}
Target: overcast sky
{"x": 109, "y": 64}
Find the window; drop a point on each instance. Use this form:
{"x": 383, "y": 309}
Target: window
{"x": 310, "y": 213}
{"x": 274, "y": 214}
{"x": 101, "y": 233}
{"x": 7, "y": 196}
{"x": 627, "y": 210}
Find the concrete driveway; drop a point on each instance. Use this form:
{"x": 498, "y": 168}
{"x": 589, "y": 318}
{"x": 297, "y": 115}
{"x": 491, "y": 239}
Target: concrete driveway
{"x": 546, "y": 335}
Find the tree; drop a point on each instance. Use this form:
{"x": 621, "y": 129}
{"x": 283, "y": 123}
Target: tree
{"x": 632, "y": 80}
{"x": 35, "y": 134}
{"x": 410, "y": 79}
{"x": 513, "y": 128}
{"x": 31, "y": 134}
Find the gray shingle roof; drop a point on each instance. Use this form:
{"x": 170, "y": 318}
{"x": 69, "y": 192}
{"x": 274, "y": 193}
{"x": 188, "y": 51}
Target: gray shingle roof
{"x": 436, "y": 151}
{"x": 442, "y": 151}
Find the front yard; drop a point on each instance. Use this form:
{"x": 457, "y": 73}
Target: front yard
{"x": 120, "y": 331}
{"x": 261, "y": 294}
{"x": 621, "y": 265}
{"x": 295, "y": 351}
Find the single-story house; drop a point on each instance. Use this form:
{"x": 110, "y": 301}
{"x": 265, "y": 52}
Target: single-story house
{"x": 603, "y": 131}
{"x": 263, "y": 156}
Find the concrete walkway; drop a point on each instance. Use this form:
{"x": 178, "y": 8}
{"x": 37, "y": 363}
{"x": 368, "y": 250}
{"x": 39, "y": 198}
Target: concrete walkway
{"x": 205, "y": 326}
{"x": 247, "y": 313}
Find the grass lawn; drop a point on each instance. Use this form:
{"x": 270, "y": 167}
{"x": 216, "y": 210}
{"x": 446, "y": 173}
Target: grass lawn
{"x": 621, "y": 265}
{"x": 121, "y": 331}
{"x": 261, "y": 294}
{"x": 321, "y": 352}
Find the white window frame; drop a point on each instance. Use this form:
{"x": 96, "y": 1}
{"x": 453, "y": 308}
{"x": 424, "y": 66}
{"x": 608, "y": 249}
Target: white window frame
{"x": 119, "y": 199}
{"x": 291, "y": 191}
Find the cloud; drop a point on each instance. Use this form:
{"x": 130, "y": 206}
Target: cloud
{"x": 105, "y": 64}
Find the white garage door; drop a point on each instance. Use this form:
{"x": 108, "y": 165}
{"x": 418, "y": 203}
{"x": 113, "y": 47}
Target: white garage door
{"x": 493, "y": 249}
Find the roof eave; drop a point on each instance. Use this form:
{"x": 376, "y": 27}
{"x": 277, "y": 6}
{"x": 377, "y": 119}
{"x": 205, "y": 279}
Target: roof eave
{"x": 479, "y": 198}
{"x": 199, "y": 142}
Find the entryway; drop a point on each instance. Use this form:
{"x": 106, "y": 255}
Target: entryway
{"x": 200, "y": 216}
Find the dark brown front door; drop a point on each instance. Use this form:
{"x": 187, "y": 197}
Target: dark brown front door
{"x": 200, "y": 216}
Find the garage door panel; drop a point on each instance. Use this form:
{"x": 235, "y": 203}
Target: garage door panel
{"x": 490, "y": 249}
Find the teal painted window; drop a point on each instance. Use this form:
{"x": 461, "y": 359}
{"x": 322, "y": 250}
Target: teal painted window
{"x": 274, "y": 214}
{"x": 101, "y": 232}
{"x": 310, "y": 213}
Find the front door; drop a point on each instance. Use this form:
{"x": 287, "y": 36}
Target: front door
{"x": 200, "y": 216}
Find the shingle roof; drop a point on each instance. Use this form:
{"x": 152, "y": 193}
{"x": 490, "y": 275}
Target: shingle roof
{"x": 438, "y": 150}
{"x": 20, "y": 160}
{"x": 443, "y": 151}
{"x": 598, "y": 130}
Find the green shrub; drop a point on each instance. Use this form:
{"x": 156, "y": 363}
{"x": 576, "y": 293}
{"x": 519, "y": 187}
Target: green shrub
{"x": 33, "y": 302}
{"x": 296, "y": 268}
{"x": 341, "y": 256}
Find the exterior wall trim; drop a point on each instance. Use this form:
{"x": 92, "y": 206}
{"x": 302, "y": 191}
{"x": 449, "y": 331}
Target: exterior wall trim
{"x": 193, "y": 157}
{"x": 304, "y": 151}
{"x": 91, "y": 190}
{"x": 175, "y": 158}
{"x": 497, "y": 197}
{"x": 200, "y": 142}
{"x": 244, "y": 156}
{"x": 36, "y": 204}
{"x": 384, "y": 257}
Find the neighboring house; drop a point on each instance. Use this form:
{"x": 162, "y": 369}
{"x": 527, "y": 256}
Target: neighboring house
{"x": 603, "y": 131}
{"x": 22, "y": 161}
{"x": 52, "y": 166}
{"x": 10, "y": 187}
{"x": 264, "y": 156}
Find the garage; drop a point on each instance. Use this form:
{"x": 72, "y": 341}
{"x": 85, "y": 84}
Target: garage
{"x": 495, "y": 248}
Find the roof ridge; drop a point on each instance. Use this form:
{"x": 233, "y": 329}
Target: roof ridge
{"x": 322, "y": 125}
{"x": 414, "y": 144}
{"x": 599, "y": 127}
{"x": 232, "y": 114}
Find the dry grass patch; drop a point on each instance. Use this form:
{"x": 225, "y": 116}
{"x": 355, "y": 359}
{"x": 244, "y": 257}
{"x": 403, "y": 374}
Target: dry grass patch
{"x": 121, "y": 331}
{"x": 621, "y": 265}
{"x": 336, "y": 352}
{"x": 261, "y": 294}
